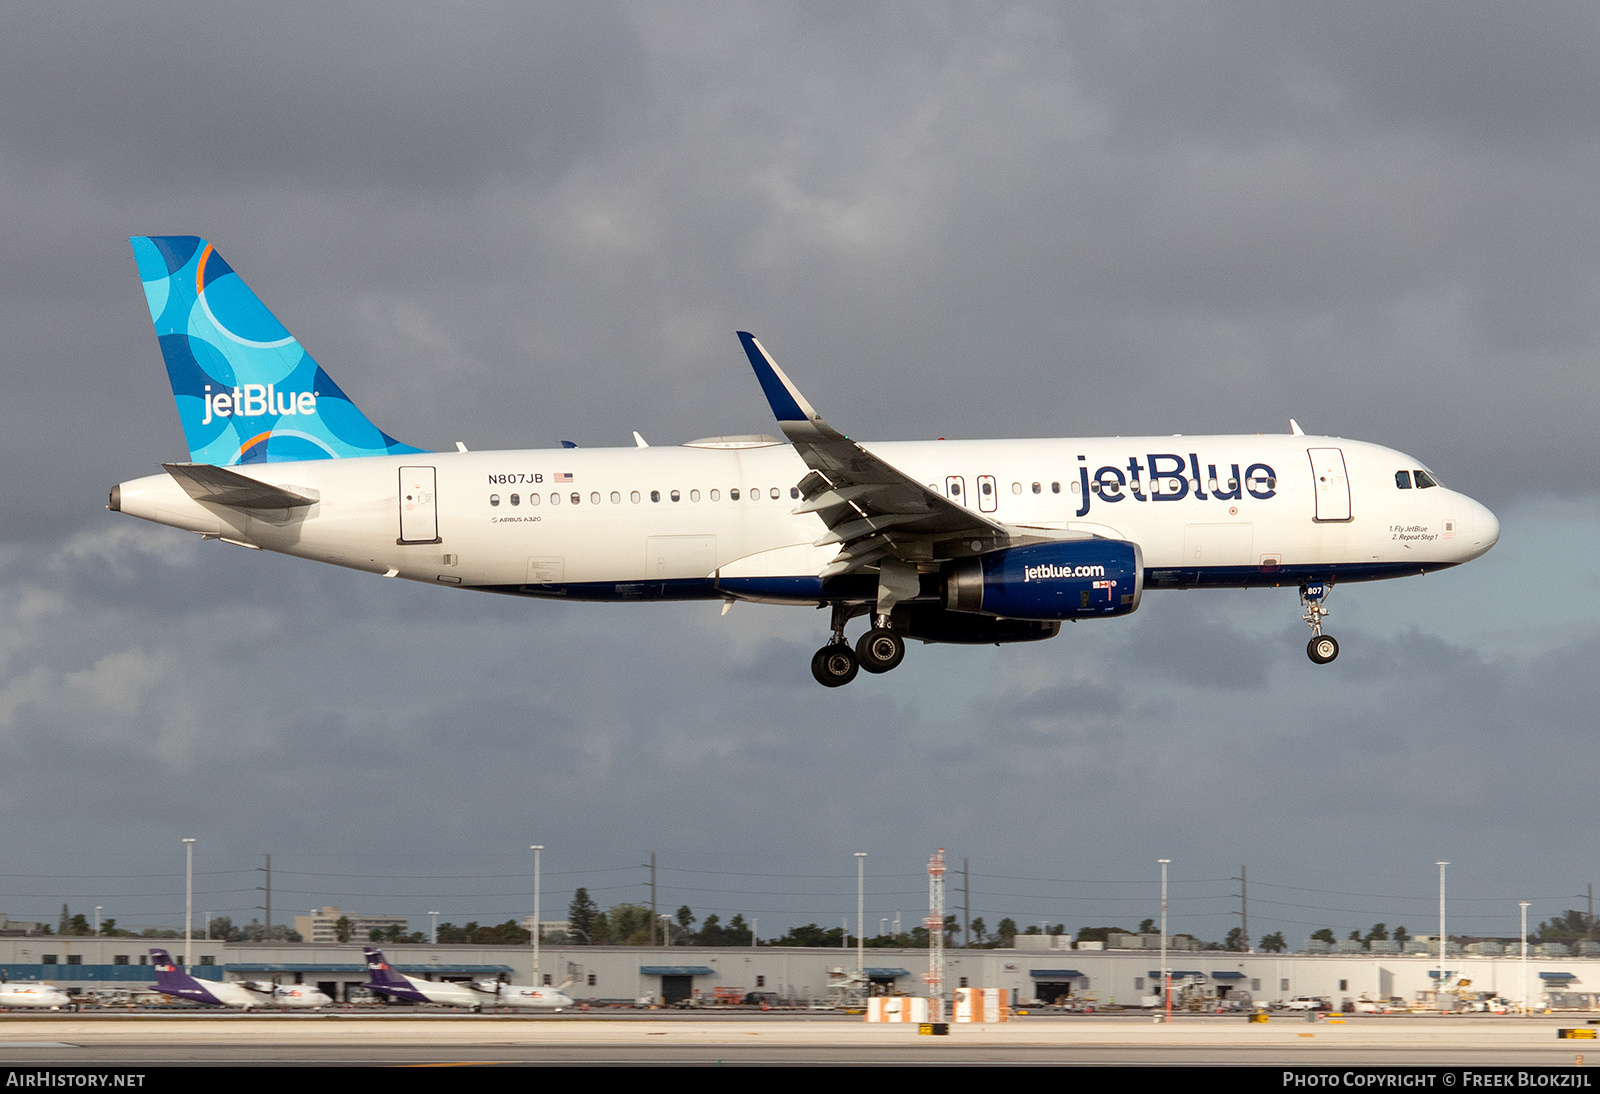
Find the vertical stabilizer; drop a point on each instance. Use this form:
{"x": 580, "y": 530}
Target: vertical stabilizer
{"x": 170, "y": 979}
{"x": 246, "y": 390}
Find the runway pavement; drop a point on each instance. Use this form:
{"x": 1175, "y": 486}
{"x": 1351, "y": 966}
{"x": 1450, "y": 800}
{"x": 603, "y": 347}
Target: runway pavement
{"x": 100, "y": 1040}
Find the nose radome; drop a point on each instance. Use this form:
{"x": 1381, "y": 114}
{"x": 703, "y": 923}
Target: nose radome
{"x": 1485, "y": 529}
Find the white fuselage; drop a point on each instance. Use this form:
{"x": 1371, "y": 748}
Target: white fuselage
{"x": 523, "y": 995}
{"x": 616, "y": 524}
{"x": 32, "y": 995}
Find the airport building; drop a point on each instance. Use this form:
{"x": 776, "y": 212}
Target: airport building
{"x": 1102, "y": 977}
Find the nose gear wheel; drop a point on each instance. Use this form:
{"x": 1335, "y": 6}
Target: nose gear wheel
{"x": 1314, "y": 601}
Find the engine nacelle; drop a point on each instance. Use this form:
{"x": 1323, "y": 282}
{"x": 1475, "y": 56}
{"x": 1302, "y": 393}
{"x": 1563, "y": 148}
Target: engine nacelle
{"x": 931, "y": 623}
{"x": 1078, "y": 579}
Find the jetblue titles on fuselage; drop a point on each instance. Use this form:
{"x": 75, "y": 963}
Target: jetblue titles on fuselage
{"x": 1172, "y": 478}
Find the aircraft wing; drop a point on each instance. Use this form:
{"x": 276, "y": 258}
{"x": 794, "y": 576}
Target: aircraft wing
{"x": 872, "y": 509}
{"x": 218, "y": 485}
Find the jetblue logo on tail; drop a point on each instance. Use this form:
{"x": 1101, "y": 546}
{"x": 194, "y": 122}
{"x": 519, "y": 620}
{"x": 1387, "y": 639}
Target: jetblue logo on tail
{"x": 257, "y": 401}
{"x": 247, "y": 391}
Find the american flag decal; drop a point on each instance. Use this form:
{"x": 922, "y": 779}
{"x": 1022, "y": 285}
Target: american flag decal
{"x": 565, "y": 476}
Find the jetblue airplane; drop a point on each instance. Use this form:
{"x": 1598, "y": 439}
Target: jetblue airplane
{"x": 939, "y": 541}
{"x": 172, "y": 980}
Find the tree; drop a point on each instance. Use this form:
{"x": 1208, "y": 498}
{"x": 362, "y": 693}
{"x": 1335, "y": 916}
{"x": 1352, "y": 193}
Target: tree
{"x": 1379, "y": 933}
{"x": 629, "y": 925}
{"x": 1324, "y": 934}
{"x": 1355, "y": 936}
{"x": 1099, "y": 934}
{"x": 221, "y": 929}
{"x": 79, "y": 925}
{"x": 1564, "y": 928}
{"x": 1402, "y": 936}
{"x": 812, "y": 935}
{"x": 342, "y": 928}
{"x": 1147, "y": 926}
{"x": 581, "y": 913}
{"x": 1006, "y": 932}
{"x": 108, "y": 927}
{"x": 979, "y": 928}
{"x": 1272, "y": 943}
{"x": 1235, "y": 940}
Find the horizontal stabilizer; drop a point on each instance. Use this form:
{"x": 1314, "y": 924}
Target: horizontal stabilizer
{"x": 219, "y": 486}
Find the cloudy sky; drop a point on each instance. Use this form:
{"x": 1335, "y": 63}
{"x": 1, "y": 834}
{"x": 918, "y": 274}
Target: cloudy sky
{"x": 516, "y": 224}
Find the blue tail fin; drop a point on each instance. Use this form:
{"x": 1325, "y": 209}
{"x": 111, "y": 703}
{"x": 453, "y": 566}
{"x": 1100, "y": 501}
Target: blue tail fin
{"x": 246, "y": 390}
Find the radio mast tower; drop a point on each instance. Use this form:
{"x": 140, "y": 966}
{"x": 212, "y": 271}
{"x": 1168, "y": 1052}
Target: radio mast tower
{"x": 935, "y": 925}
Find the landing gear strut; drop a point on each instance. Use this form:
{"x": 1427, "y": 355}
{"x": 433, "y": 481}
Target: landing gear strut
{"x": 1313, "y": 598}
{"x": 835, "y": 664}
{"x": 879, "y": 650}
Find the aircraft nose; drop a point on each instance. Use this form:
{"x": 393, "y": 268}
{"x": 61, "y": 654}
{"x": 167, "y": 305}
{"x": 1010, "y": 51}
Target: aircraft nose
{"x": 1485, "y": 530}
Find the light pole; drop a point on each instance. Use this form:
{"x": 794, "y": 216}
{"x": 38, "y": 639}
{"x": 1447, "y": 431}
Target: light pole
{"x": 754, "y": 923}
{"x": 861, "y": 898}
{"x": 537, "y": 849}
{"x": 1442, "y": 943}
{"x": 433, "y": 928}
{"x": 188, "y": 897}
{"x": 1166, "y": 978}
{"x": 1525, "y": 1009}
{"x": 97, "y": 908}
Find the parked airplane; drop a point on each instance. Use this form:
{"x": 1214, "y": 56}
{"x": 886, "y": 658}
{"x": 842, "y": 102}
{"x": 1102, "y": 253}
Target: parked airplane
{"x": 32, "y": 993}
{"x": 939, "y": 541}
{"x": 172, "y": 980}
{"x": 499, "y": 994}
{"x": 384, "y": 979}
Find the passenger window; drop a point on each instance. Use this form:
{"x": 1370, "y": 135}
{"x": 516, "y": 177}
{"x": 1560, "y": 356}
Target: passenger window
{"x": 716, "y": 495}
{"x": 1036, "y": 488}
{"x": 594, "y": 498}
{"x": 674, "y": 495}
{"x": 986, "y": 488}
{"x": 576, "y": 498}
{"x": 494, "y": 499}
{"x": 616, "y": 497}
{"x": 1016, "y": 488}
{"x": 794, "y": 492}
{"x": 755, "y": 493}
{"x": 555, "y": 499}
{"x": 1055, "y": 487}
{"x": 1402, "y": 480}
{"x": 955, "y": 490}
{"x": 694, "y": 495}
{"x": 515, "y": 500}
{"x": 634, "y": 497}
{"x": 655, "y": 495}
{"x": 1424, "y": 480}
{"x": 733, "y": 495}
{"x": 533, "y": 499}
{"x": 775, "y": 494}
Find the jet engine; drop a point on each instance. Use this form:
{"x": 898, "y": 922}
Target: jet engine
{"x": 1076, "y": 579}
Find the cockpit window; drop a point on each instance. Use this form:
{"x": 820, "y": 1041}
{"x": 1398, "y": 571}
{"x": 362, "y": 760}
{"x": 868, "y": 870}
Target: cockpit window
{"x": 1424, "y": 480}
{"x": 1402, "y": 480}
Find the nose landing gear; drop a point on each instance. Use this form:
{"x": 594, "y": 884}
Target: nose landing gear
{"x": 1313, "y": 598}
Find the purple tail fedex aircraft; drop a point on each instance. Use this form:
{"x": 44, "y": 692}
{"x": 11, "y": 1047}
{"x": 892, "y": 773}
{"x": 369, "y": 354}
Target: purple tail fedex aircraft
{"x": 939, "y": 541}
{"x": 172, "y": 980}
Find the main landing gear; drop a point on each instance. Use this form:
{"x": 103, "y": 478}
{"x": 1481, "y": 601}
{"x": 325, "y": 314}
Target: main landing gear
{"x": 879, "y": 650}
{"x": 1313, "y": 598}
